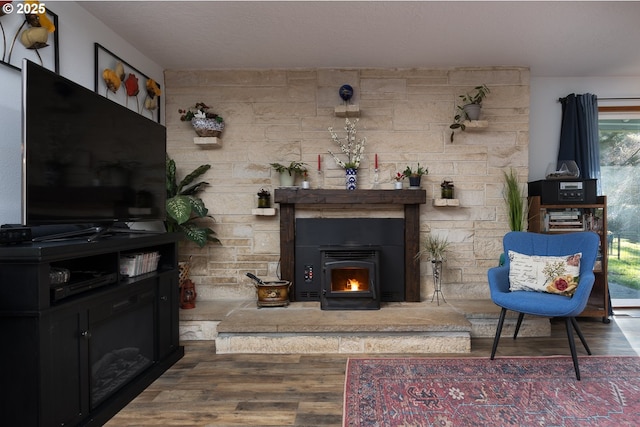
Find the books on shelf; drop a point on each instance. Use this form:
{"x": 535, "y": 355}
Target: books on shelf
{"x": 135, "y": 264}
{"x": 571, "y": 219}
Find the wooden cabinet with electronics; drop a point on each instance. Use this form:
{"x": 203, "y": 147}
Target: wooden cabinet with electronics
{"x": 85, "y": 328}
{"x": 567, "y": 218}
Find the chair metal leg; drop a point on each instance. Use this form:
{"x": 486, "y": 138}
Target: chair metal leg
{"x": 572, "y": 346}
{"x": 574, "y": 322}
{"x": 498, "y": 332}
{"x": 520, "y": 317}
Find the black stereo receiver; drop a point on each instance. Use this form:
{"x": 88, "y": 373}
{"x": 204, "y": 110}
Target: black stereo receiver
{"x": 568, "y": 191}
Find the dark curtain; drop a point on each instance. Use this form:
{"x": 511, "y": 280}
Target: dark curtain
{"x": 579, "y": 134}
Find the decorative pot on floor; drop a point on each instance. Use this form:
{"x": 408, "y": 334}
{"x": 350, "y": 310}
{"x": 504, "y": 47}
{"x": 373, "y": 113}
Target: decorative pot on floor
{"x": 351, "y": 178}
{"x": 273, "y": 293}
{"x": 207, "y": 127}
{"x": 188, "y": 292}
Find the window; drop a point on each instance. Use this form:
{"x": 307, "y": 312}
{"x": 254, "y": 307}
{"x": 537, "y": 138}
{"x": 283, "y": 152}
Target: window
{"x": 619, "y": 130}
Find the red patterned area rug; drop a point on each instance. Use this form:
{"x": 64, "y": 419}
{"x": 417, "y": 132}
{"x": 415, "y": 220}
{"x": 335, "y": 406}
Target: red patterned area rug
{"x": 523, "y": 392}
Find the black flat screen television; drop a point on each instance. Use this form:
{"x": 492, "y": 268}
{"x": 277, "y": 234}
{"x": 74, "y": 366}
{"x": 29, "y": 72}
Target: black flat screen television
{"x": 86, "y": 159}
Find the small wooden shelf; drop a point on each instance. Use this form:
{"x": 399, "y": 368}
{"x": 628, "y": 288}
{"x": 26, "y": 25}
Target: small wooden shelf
{"x": 445, "y": 202}
{"x": 212, "y": 141}
{"x": 264, "y": 211}
{"x": 476, "y": 124}
{"x": 347, "y": 111}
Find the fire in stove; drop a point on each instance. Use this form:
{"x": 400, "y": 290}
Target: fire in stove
{"x": 350, "y": 279}
{"x": 352, "y": 285}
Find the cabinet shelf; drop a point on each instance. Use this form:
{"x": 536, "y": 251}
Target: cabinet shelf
{"x": 567, "y": 218}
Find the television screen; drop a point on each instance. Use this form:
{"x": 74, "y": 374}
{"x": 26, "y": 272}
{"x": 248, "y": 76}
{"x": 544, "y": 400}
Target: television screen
{"x": 87, "y": 159}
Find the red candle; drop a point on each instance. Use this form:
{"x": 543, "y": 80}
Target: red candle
{"x": 376, "y": 161}
{"x": 319, "y": 162}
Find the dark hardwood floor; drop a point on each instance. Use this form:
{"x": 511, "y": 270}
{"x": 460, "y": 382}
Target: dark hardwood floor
{"x": 208, "y": 390}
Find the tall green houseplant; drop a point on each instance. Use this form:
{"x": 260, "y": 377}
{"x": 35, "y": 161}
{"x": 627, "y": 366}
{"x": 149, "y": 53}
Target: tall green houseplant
{"x": 514, "y": 198}
{"x": 185, "y": 210}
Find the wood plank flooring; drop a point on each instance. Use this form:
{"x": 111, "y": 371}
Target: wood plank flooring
{"x": 208, "y": 390}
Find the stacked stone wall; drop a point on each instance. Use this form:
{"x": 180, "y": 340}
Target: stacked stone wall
{"x": 283, "y": 115}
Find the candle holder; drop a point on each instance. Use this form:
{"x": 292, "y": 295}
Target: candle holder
{"x": 376, "y": 178}
{"x": 319, "y": 179}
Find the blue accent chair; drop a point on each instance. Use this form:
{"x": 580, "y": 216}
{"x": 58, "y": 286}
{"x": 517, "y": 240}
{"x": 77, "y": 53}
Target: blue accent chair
{"x": 541, "y": 303}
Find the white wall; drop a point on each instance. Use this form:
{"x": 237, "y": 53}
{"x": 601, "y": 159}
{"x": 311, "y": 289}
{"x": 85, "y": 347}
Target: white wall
{"x": 78, "y": 31}
{"x": 546, "y": 112}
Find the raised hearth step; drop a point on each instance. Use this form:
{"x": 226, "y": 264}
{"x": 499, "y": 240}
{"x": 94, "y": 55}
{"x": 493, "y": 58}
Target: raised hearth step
{"x": 241, "y": 327}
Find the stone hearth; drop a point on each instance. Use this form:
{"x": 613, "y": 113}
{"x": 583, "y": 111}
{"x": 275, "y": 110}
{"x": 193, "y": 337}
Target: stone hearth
{"x": 302, "y": 328}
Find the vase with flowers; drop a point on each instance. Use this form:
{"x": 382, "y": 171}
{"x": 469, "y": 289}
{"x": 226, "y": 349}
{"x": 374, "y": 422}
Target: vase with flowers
{"x": 204, "y": 122}
{"x": 399, "y": 177}
{"x": 351, "y": 147}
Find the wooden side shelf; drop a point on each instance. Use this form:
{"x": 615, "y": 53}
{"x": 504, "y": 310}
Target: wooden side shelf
{"x": 598, "y": 305}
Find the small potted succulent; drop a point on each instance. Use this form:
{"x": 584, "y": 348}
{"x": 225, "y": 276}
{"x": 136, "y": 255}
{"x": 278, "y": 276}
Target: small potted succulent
{"x": 415, "y": 175}
{"x": 289, "y": 173}
{"x": 204, "y": 122}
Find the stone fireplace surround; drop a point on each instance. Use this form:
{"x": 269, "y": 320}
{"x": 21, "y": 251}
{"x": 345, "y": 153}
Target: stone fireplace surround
{"x": 409, "y": 200}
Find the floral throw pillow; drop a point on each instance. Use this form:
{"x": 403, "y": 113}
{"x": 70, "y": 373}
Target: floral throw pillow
{"x": 553, "y": 274}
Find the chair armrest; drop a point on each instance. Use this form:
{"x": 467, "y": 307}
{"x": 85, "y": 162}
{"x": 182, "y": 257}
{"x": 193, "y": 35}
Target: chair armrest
{"x": 498, "y": 279}
{"x": 585, "y": 285}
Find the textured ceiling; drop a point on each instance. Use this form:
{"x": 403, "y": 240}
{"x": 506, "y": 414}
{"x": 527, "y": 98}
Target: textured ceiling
{"x": 553, "y": 38}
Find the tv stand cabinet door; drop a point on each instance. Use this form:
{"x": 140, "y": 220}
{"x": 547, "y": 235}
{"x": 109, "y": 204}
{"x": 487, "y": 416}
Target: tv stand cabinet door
{"x": 44, "y": 371}
{"x": 65, "y": 380}
{"x": 167, "y": 319}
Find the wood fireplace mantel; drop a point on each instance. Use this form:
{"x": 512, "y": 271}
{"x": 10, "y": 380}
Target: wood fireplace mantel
{"x": 288, "y": 198}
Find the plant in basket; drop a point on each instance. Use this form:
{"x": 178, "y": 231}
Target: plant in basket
{"x": 204, "y": 122}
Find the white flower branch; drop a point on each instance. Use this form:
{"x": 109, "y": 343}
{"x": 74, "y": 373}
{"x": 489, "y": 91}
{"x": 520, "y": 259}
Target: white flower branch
{"x": 354, "y": 149}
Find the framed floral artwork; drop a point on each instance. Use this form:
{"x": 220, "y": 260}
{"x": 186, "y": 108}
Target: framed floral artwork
{"x": 119, "y": 81}
{"x": 28, "y": 30}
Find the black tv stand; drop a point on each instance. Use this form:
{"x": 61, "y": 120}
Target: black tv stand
{"x": 55, "y": 367}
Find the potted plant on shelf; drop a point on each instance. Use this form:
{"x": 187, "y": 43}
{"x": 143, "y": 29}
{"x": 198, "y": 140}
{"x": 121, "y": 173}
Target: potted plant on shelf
{"x": 415, "y": 175}
{"x": 469, "y": 108}
{"x": 289, "y": 173}
{"x": 204, "y": 122}
{"x": 185, "y": 210}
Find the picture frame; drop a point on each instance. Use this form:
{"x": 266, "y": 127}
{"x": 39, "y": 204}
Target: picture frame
{"x": 13, "y": 23}
{"x": 105, "y": 59}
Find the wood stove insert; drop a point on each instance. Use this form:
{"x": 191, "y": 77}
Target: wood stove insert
{"x": 350, "y": 279}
